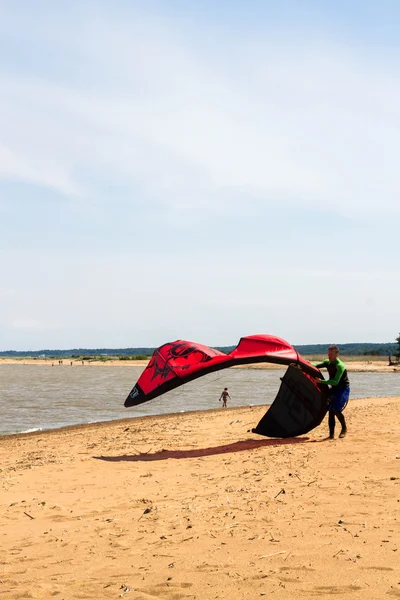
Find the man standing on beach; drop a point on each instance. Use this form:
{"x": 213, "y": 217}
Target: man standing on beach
{"x": 339, "y": 392}
{"x": 224, "y": 397}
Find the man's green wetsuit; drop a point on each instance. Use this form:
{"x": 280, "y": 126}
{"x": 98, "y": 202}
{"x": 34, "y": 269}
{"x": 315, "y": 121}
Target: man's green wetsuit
{"x": 337, "y": 373}
{"x": 339, "y": 392}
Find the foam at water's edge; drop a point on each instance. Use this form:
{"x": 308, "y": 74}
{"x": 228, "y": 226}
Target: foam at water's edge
{"x": 32, "y": 430}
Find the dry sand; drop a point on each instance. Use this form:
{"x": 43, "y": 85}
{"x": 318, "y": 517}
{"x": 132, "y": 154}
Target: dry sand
{"x": 194, "y": 506}
{"x": 353, "y": 364}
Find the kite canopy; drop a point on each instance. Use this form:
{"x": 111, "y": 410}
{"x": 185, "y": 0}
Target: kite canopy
{"x": 299, "y": 406}
{"x": 176, "y": 363}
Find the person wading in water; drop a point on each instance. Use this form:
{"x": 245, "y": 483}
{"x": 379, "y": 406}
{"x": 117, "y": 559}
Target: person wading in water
{"x": 224, "y": 397}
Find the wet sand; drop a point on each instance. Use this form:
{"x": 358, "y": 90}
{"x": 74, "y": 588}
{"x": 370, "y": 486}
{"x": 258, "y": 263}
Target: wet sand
{"x": 195, "y": 506}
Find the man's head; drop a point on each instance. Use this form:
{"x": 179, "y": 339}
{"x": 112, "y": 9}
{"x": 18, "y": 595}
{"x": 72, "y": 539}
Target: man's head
{"x": 225, "y": 389}
{"x": 333, "y": 352}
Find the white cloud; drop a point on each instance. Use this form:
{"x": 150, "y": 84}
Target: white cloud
{"x": 307, "y": 124}
{"x": 30, "y": 323}
{"x": 41, "y": 170}
{"x": 7, "y": 293}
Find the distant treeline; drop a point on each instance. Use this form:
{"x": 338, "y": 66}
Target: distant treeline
{"x": 359, "y": 349}
{"x": 81, "y": 353}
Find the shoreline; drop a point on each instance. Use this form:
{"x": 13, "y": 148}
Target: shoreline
{"x": 353, "y": 364}
{"x": 126, "y": 421}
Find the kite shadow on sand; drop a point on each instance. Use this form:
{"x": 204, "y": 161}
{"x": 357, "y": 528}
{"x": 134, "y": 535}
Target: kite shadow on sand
{"x": 199, "y": 452}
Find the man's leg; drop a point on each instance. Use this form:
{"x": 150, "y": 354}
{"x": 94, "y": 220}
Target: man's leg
{"x": 342, "y": 421}
{"x": 331, "y": 422}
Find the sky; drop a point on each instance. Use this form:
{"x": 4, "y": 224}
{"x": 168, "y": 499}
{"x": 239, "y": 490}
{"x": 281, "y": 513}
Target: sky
{"x": 198, "y": 170}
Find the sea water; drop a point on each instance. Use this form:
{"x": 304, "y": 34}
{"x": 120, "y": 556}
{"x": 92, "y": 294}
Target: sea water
{"x": 37, "y": 397}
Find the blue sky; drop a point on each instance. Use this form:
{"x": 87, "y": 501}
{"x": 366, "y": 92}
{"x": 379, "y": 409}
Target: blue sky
{"x": 198, "y": 170}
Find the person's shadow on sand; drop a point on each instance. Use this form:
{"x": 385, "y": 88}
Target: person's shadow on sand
{"x": 197, "y": 452}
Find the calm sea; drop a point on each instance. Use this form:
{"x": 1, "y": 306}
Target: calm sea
{"x": 44, "y": 397}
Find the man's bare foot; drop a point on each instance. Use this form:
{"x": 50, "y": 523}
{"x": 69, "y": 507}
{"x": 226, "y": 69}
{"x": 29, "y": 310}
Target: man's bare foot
{"x": 342, "y": 434}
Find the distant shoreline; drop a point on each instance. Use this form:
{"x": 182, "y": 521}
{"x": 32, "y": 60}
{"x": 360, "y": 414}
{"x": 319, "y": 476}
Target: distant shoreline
{"x": 353, "y": 363}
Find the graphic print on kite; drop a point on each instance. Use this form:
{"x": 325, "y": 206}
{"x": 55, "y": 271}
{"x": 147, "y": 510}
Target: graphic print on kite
{"x": 299, "y": 406}
{"x": 177, "y": 356}
{"x": 172, "y": 365}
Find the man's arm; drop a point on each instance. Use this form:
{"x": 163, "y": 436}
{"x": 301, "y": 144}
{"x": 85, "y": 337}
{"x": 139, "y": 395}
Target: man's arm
{"x": 321, "y": 365}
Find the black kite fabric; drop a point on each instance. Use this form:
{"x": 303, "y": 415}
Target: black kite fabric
{"x": 299, "y": 407}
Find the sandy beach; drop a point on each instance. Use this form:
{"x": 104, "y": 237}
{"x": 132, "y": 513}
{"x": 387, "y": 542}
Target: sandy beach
{"x": 195, "y": 506}
{"x": 353, "y": 364}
